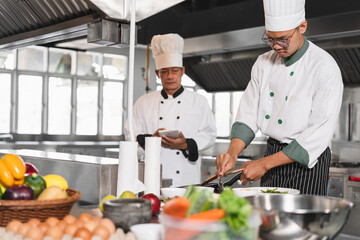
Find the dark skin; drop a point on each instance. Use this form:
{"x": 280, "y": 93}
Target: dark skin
{"x": 254, "y": 170}
{"x": 171, "y": 82}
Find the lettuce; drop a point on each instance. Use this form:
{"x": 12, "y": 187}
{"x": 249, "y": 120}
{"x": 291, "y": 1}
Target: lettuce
{"x": 237, "y": 210}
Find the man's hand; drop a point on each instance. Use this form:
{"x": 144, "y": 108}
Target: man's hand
{"x": 227, "y": 161}
{"x": 156, "y": 133}
{"x": 178, "y": 143}
{"x": 253, "y": 170}
{"x": 224, "y": 163}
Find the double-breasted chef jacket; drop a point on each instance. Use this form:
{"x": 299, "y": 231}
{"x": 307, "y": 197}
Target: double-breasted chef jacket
{"x": 186, "y": 111}
{"x": 294, "y": 101}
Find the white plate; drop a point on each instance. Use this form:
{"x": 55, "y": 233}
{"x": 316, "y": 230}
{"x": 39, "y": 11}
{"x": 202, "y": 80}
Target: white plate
{"x": 288, "y": 190}
{"x": 147, "y": 231}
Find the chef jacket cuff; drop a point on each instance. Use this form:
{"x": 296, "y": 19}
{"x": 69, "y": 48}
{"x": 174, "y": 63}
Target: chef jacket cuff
{"x": 297, "y": 153}
{"x": 242, "y": 131}
{"x": 141, "y": 139}
{"x": 193, "y": 154}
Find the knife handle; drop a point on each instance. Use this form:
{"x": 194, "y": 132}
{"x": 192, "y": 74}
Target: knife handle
{"x": 215, "y": 175}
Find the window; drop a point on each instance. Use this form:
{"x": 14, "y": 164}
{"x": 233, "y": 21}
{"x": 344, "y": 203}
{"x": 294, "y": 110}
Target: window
{"x": 87, "y": 107}
{"x": 59, "y": 117}
{"x": 61, "y": 61}
{"x": 207, "y": 95}
{"x": 114, "y": 67}
{"x": 30, "y": 104}
{"x": 32, "y": 59}
{"x": 222, "y": 114}
{"x": 235, "y": 97}
{"x": 112, "y": 108}
{"x": 89, "y": 64}
{"x": 5, "y": 102}
{"x": 7, "y": 60}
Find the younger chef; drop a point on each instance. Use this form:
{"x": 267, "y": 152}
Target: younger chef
{"x": 174, "y": 108}
{"x": 294, "y": 97}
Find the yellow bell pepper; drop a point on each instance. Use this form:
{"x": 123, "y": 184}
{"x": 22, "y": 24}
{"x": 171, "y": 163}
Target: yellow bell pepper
{"x": 12, "y": 170}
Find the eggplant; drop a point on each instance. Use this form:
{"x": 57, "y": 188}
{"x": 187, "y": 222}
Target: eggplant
{"x": 18, "y": 192}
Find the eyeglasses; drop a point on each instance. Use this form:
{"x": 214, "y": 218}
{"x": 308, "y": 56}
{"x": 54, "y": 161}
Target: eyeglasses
{"x": 166, "y": 71}
{"x": 284, "y": 43}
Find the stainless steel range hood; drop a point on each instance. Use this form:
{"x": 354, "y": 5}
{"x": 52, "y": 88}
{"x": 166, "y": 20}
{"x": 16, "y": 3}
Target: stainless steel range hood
{"x": 32, "y": 22}
{"x": 120, "y": 9}
{"x": 222, "y": 62}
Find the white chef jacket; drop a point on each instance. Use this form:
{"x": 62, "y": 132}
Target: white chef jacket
{"x": 296, "y": 104}
{"x": 188, "y": 112}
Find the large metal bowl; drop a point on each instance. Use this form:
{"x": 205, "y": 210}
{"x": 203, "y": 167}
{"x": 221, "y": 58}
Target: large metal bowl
{"x": 301, "y": 216}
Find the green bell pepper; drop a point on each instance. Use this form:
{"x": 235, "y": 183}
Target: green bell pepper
{"x": 36, "y": 182}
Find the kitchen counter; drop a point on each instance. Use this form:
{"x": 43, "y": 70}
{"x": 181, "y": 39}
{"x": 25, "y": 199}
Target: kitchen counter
{"x": 350, "y": 231}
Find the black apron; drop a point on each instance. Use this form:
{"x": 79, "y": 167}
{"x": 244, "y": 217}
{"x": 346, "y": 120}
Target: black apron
{"x": 312, "y": 181}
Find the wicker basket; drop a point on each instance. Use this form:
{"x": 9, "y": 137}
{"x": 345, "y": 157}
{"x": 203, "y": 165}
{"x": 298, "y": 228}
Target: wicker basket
{"x": 23, "y": 210}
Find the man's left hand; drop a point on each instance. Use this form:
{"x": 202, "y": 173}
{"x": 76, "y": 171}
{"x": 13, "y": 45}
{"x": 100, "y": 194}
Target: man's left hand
{"x": 178, "y": 143}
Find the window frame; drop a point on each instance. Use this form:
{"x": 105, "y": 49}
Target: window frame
{"x": 46, "y": 75}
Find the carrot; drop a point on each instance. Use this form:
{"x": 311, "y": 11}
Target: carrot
{"x": 177, "y": 207}
{"x": 214, "y": 214}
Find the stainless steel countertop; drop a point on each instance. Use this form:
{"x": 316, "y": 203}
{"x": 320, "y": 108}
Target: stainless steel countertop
{"x": 351, "y": 230}
{"x": 63, "y": 156}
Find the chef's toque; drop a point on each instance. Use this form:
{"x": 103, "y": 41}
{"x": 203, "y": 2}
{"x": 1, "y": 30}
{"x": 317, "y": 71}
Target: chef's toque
{"x": 283, "y": 15}
{"x": 167, "y": 50}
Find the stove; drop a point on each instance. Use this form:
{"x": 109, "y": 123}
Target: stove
{"x": 344, "y": 180}
{"x": 345, "y": 164}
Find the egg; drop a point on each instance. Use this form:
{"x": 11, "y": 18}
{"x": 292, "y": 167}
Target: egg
{"x": 34, "y": 233}
{"x": 22, "y": 230}
{"x": 108, "y": 224}
{"x": 83, "y": 233}
{"x": 55, "y": 232}
{"x": 97, "y": 220}
{"x": 13, "y": 226}
{"x": 52, "y": 221}
{"x": 102, "y": 232}
{"x": 62, "y": 224}
{"x": 43, "y": 227}
{"x": 70, "y": 229}
{"x": 85, "y": 217}
{"x": 34, "y": 222}
{"x": 79, "y": 223}
{"x": 91, "y": 225}
{"x": 69, "y": 219}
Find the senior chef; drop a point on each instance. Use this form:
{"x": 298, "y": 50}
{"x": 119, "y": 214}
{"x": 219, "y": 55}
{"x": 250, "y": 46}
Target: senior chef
{"x": 293, "y": 97}
{"x": 174, "y": 108}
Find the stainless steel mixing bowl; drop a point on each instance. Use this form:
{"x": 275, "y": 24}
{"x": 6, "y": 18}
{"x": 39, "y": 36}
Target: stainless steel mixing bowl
{"x": 288, "y": 216}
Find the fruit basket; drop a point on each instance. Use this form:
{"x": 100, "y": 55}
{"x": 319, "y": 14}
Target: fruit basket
{"x": 23, "y": 210}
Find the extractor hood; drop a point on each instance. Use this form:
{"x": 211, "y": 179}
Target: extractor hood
{"x": 35, "y": 22}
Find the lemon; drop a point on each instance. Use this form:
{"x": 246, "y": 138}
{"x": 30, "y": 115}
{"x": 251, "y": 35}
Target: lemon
{"x": 108, "y": 197}
{"x": 56, "y": 180}
{"x": 127, "y": 194}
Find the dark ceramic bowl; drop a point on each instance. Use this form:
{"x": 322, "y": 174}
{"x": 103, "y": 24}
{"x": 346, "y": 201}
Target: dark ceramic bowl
{"x": 127, "y": 212}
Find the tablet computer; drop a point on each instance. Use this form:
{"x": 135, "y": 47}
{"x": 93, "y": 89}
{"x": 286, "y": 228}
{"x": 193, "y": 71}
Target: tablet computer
{"x": 169, "y": 133}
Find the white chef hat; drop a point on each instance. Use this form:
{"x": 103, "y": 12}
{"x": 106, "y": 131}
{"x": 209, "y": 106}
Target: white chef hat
{"x": 167, "y": 50}
{"x": 283, "y": 15}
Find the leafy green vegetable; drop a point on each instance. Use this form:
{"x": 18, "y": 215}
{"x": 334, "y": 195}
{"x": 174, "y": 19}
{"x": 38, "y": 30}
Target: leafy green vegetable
{"x": 200, "y": 201}
{"x": 237, "y": 210}
{"x": 273, "y": 191}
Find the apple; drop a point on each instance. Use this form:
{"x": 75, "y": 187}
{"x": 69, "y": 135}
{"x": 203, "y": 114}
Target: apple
{"x": 155, "y": 202}
{"x": 30, "y": 169}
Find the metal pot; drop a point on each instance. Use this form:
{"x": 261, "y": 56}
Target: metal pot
{"x": 301, "y": 216}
